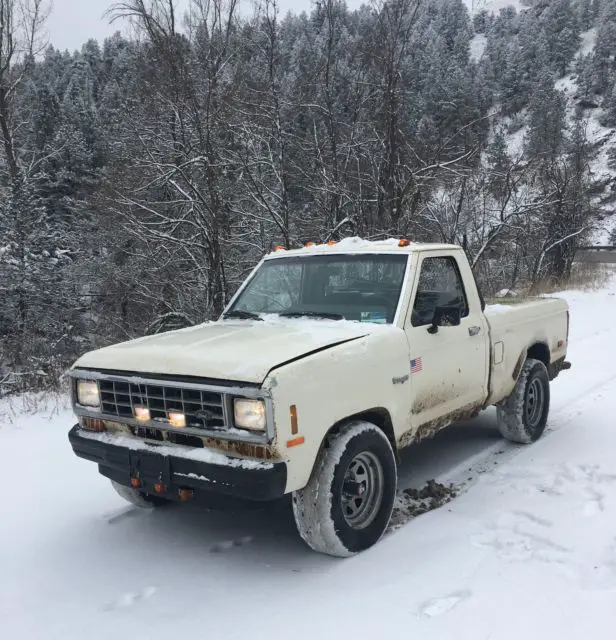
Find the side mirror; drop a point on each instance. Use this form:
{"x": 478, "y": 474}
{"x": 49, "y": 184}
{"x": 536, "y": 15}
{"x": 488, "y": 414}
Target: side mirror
{"x": 445, "y": 317}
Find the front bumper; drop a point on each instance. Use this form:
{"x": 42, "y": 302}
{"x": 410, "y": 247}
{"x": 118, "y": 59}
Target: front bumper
{"x": 120, "y": 464}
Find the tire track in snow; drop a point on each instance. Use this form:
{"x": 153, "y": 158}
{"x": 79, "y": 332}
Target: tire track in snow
{"x": 439, "y": 606}
{"x": 465, "y": 474}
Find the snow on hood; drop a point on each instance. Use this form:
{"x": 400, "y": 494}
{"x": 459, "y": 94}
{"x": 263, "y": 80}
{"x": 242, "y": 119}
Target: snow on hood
{"x": 234, "y": 350}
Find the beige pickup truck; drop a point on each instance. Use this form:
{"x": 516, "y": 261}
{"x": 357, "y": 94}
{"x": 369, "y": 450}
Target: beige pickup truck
{"x": 327, "y": 362}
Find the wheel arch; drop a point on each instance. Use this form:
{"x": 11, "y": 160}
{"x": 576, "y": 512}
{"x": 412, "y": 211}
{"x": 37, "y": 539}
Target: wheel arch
{"x": 540, "y": 351}
{"x": 537, "y": 351}
{"x": 378, "y": 416}
{"x": 512, "y": 412}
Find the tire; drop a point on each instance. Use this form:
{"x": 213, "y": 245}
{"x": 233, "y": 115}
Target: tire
{"x": 333, "y": 514}
{"x": 138, "y": 498}
{"x": 522, "y": 417}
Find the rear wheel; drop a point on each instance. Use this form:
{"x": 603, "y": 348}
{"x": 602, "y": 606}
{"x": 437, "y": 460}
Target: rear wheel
{"x": 347, "y": 503}
{"x": 139, "y": 498}
{"x": 523, "y": 416}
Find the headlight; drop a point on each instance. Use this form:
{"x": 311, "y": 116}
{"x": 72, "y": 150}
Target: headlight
{"x": 88, "y": 394}
{"x": 250, "y": 414}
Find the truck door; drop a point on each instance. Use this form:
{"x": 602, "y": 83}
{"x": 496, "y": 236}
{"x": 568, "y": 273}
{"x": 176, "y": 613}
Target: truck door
{"x": 448, "y": 367}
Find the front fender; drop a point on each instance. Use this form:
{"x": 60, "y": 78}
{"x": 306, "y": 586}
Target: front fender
{"x": 332, "y": 385}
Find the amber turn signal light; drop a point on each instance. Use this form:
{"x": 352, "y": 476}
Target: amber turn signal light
{"x": 185, "y": 494}
{"x": 296, "y": 442}
{"x": 293, "y": 416}
{"x": 135, "y": 483}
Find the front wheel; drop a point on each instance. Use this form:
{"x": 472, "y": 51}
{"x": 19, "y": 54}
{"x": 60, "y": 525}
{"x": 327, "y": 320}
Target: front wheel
{"x": 523, "y": 416}
{"x": 347, "y": 504}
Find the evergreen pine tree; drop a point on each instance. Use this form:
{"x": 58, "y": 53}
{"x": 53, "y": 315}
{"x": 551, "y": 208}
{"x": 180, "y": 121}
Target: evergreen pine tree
{"x": 560, "y": 22}
{"x": 608, "y": 118}
{"x": 546, "y": 117}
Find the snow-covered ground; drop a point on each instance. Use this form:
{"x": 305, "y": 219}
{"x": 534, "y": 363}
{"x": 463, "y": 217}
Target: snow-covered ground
{"x": 528, "y": 550}
{"x": 478, "y": 45}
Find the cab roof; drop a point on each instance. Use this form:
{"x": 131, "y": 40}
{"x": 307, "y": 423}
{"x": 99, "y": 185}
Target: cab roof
{"x": 359, "y": 245}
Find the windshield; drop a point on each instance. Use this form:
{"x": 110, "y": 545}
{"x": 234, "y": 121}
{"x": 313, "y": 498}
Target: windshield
{"x": 362, "y": 287}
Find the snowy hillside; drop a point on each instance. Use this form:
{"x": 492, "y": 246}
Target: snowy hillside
{"x": 528, "y": 550}
{"x": 602, "y": 139}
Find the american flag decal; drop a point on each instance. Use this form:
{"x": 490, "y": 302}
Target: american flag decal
{"x": 416, "y": 365}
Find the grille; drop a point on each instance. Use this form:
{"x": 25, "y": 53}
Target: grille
{"x": 203, "y": 409}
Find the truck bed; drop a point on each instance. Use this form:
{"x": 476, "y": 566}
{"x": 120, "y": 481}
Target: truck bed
{"x": 513, "y": 327}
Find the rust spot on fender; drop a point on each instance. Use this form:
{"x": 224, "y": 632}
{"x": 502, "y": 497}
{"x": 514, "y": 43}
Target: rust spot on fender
{"x": 432, "y": 427}
{"x": 248, "y": 449}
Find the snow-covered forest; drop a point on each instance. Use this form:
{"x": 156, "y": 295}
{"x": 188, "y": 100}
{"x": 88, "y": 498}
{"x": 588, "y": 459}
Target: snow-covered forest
{"x": 141, "y": 179}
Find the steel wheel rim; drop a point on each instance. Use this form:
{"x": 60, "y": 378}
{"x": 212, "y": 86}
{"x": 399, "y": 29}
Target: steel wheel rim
{"x": 534, "y": 403}
{"x": 362, "y": 490}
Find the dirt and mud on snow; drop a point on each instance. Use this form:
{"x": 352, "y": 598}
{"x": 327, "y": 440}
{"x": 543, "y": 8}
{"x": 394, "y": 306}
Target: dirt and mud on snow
{"x": 411, "y": 503}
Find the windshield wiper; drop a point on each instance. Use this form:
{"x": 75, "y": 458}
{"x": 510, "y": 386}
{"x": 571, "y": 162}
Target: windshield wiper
{"x": 312, "y": 314}
{"x": 242, "y": 315}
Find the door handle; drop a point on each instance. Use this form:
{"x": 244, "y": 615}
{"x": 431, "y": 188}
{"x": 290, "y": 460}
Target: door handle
{"x": 473, "y": 331}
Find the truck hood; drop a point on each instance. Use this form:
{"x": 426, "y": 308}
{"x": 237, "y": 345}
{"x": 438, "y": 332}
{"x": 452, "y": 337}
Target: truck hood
{"x": 234, "y": 350}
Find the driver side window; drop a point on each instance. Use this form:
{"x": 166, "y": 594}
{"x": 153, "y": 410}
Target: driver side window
{"x": 274, "y": 289}
{"x": 440, "y": 285}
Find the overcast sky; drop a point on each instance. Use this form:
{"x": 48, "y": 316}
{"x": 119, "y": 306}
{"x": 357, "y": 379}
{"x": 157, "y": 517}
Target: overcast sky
{"x": 73, "y": 22}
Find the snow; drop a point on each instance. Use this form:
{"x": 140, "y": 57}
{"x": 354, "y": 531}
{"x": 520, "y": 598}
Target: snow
{"x": 478, "y": 46}
{"x": 316, "y": 325}
{"x": 496, "y": 309}
{"x": 493, "y": 6}
{"x": 196, "y": 476}
{"x": 516, "y": 138}
{"x": 566, "y": 84}
{"x": 190, "y": 453}
{"x": 528, "y": 550}
{"x": 589, "y": 39}
{"x": 349, "y": 244}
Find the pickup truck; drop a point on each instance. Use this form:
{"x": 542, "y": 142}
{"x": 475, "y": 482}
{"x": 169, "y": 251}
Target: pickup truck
{"x": 328, "y": 361}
